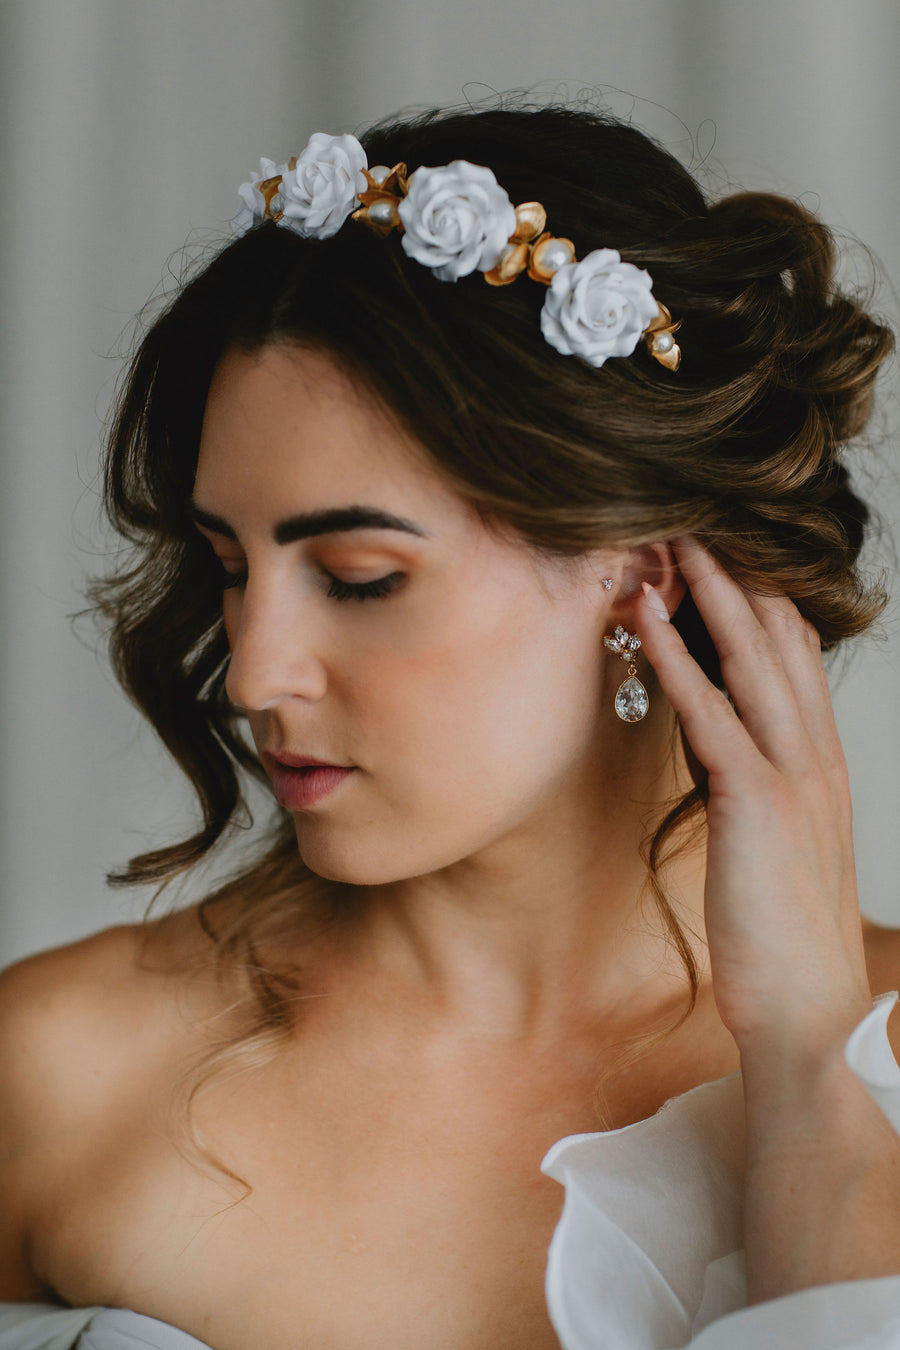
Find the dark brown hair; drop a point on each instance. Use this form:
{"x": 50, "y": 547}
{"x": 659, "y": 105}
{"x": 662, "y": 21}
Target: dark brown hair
{"x": 742, "y": 447}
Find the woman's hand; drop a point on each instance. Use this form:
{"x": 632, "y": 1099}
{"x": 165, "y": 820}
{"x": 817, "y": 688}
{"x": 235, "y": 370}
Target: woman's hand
{"x": 822, "y": 1181}
{"x": 782, "y": 914}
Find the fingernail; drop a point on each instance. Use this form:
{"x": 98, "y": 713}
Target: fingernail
{"x": 656, "y": 602}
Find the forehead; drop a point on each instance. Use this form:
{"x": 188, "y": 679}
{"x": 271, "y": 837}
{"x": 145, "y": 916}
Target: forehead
{"x": 288, "y": 426}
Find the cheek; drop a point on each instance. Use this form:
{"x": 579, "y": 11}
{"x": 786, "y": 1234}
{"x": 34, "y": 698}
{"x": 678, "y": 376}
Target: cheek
{"x": 466, "y": 724}
{"x": 499, "y": 700}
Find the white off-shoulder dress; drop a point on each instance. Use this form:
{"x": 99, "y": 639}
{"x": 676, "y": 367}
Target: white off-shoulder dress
{"x": 647, "y": 1252}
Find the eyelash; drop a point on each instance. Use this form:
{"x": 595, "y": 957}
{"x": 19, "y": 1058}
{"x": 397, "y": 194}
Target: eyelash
{"x": 337, "y": 590}
{"x": 365, "y": 590}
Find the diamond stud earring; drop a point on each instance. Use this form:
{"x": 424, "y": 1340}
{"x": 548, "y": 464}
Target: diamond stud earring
{"x": 607, "y": 583}
{"x": 632, "y": 699}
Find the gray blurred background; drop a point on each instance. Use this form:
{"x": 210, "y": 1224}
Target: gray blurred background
{"x": 125, "y": 128}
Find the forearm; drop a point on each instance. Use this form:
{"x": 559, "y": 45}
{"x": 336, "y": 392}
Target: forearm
{"x": 822, "y": 1198}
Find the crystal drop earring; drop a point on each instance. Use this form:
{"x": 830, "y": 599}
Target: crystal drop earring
{"x": 632, "y": 699}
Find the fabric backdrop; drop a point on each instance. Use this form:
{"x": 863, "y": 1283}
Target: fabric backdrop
{"x": 125, "y": 128}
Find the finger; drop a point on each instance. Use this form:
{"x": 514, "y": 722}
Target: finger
{"x": 801, "y": 655}
{"x": 750, "y": 659}
{"x": 716, "y": 735}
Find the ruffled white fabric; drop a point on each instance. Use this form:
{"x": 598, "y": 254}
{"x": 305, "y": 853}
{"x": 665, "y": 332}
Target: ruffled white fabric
{"x": 647, "y": 1253}
{"x": 40, "y": 1326}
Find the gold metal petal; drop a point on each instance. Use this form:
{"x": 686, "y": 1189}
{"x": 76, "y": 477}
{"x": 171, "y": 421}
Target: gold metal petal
{"x": 670, "y": 357}
{"x": 269, "y": 188}
{"x": 376, "y": 194}
{"x": 395, "y": 185}
{"x": 513, "y": 260}
{"x": 531, "y": 218}
{"x": 393, "y": 189}
{"x": 663, "y": 321}
{"x": 535, "y": 271}
{"x": 379, "y": 227}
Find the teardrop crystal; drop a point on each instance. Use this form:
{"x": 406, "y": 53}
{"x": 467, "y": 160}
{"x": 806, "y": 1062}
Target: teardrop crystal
{"x": 632, "y": 700}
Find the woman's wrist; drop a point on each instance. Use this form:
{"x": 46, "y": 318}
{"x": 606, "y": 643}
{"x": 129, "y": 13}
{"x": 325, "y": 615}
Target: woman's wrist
{"x": 792, "y": 1034}
{"x": 822, "y": 1196}
{"x": 795, "y": 1071}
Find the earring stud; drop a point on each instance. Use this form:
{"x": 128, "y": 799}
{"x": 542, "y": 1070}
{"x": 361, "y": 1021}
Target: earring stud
{"x": 632, "y": 699}
{"x": 607, "y": 583}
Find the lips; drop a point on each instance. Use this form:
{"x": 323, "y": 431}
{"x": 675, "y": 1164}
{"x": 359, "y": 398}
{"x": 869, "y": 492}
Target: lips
{"x": 304, "y": 761}
{"x": 301, "y": 780}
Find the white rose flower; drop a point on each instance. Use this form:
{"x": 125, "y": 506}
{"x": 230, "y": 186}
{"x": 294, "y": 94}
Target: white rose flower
{"x": 253, "y": 205}
{"x": 598, "y": 307}
{"x": 321, "y": 190}
{"x": 456, "y": 218}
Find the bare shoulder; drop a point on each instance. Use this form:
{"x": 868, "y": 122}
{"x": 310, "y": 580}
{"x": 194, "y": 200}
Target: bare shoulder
{"x": 81, "y": 1029}
{"x": 71, "y": 1014}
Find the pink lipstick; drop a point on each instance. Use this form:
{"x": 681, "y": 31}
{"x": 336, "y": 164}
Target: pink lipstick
{"x": 300, "y": 781}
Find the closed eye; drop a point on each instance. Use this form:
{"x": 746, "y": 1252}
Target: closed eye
{"x": 337, "y": 589}
{"x": 363, "y": 590}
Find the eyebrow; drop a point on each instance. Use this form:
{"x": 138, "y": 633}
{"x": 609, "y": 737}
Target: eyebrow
{"x": 336, "y": 520}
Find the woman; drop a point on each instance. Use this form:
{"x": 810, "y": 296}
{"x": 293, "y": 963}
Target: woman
{"x": 548, "y": 876}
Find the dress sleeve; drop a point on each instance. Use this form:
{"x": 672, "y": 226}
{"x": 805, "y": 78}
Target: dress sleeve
{"x": 852, "y": 1314}
{"x": 44, "y": 1326}
{"x": 869, "y": 1054}
{"x": 41, "y": 1326}
{"x": 647, "y": 1254}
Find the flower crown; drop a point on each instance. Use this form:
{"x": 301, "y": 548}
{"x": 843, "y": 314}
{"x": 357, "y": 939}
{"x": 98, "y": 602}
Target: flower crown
{"x": 456, "y": 219}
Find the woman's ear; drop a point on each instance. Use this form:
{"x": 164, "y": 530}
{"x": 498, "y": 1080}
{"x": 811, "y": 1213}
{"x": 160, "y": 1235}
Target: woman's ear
{"x": 654, "y": 563}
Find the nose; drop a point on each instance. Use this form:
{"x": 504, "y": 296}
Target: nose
{"x": 272, "y": 650}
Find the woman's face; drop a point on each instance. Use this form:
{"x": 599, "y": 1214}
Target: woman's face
{"x": 463, "y": 689}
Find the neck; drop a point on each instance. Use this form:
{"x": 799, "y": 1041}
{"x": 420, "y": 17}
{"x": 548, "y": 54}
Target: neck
{"x": 551, "y": 927}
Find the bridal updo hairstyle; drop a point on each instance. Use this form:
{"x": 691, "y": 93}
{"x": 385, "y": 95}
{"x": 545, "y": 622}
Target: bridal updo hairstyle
{"x": 741, "y": 447}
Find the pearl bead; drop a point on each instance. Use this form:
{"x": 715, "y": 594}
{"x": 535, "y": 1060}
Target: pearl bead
{"x": 379, "y": 173}
{"x": 663, "y": 342}
{"x": 554, "y": 255}
{"x": 383, "y": 212}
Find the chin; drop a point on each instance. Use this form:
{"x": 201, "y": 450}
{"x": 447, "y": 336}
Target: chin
{"x": 377, "y": 857}
{"x": 347, "y": 859}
